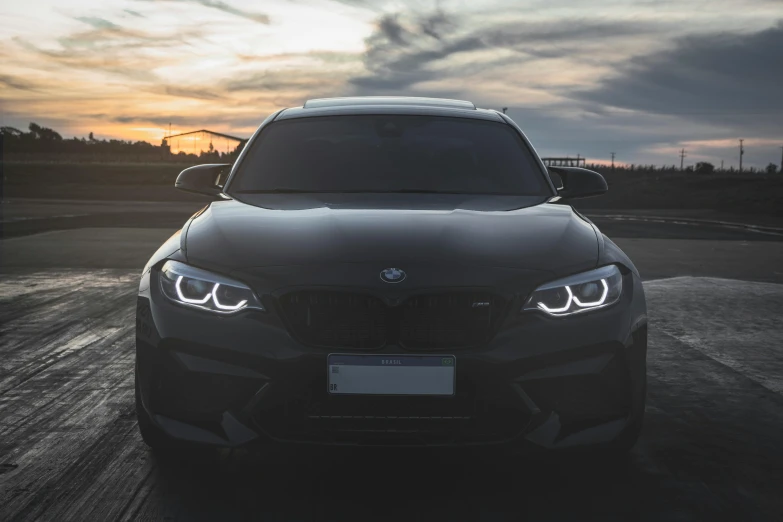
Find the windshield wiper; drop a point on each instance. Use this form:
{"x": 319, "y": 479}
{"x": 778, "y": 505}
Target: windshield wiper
{"x": 278, "y": 190}
{"x": 287, "y": 190}
{"x": 410, "y": 191}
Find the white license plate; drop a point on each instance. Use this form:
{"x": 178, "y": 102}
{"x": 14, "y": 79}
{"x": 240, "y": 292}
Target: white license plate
{"x": 350, "y": 374}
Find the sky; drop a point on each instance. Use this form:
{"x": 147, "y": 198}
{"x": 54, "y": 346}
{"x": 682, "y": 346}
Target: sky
{"x": 641, "y": 78}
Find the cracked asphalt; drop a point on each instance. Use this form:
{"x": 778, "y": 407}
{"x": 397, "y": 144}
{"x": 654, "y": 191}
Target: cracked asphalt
{"x": 711, "y": 448}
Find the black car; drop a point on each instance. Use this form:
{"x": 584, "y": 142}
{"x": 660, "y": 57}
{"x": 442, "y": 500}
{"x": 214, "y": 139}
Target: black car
{"x": 390, "y": 271}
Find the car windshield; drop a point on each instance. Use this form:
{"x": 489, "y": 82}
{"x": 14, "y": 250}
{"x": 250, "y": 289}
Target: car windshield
{"x": 389, "y": 153}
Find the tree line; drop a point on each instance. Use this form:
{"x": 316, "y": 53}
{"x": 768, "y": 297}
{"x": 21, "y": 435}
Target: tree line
{"x": 702, "y": 167}
{"x": 43, "y": 143}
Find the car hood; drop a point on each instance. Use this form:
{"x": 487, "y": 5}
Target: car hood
{"x": 507, "y": 232}
{"x": 510, "y": 232}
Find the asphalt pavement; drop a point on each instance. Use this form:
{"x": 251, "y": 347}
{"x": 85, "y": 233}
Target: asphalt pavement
{"x": 711, "y": 448}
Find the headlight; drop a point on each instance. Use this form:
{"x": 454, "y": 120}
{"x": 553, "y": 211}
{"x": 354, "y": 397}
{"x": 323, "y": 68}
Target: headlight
{"x": 578, "y": 293}
{"x": 198, "y": 288}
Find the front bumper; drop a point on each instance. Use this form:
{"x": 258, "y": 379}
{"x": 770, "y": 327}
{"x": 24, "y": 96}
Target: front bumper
{"x": 540, "y": 382}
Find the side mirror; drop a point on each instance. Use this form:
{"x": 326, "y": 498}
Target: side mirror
{"x": 202, "y": 179}
{"x": 578, "y": 182}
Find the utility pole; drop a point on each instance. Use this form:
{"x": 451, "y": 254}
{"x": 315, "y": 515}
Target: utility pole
{"x": 612, "y": 160}
{"x": 168, "y": 139}
{"x": 721, "y": 162}
{"x": 682, "y": 159}
{"x": 742, "y": 153}
{"x": 781, "y": 160}
{"x": 505, "y": 109}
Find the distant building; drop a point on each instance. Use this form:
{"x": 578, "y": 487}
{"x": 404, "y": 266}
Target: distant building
{"x": 202, "y": 141}
{"x": 564, "y": 162}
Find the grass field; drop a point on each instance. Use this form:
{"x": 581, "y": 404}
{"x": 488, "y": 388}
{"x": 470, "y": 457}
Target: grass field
{"x": 726, "y": 192}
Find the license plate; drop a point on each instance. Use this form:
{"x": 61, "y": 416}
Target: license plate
{"x": 391, "y": 374}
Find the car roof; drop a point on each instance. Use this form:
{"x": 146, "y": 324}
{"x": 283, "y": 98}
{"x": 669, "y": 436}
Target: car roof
{"x": 388, "y": 105}
{"x": 387, "y": 100}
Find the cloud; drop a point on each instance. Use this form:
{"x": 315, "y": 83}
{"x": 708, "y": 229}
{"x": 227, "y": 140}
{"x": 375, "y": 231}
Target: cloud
{"x": 99, "y": 23}
{"x": 285, "y": 87}
{"x": 728, "y": 78}
{"x": 280, "y": 81}
{"x": 375, "y": 5}
{"x": 654, "y": 97}
{"x": 106, "y": 36}
{"x": 111, "y": 48}
{"x": 309, "y": 58}
{"x": 222, "y": 6}
{"x": 399, "y": 50}
{"x": 125, "y": 66}
{"x": 435, "y": 24}
{"x": 390, "y": 29}
{"x": 239, "y": 125}
{"x": 405, "y": 51}
{"x": 260, "y": 18}
{"x": 188, "y": 92}
{"x": 14, "y": 82}
{"x": 121, "y": 119}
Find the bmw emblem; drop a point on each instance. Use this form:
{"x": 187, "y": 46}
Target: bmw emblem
{"x": 392, "y": 275}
